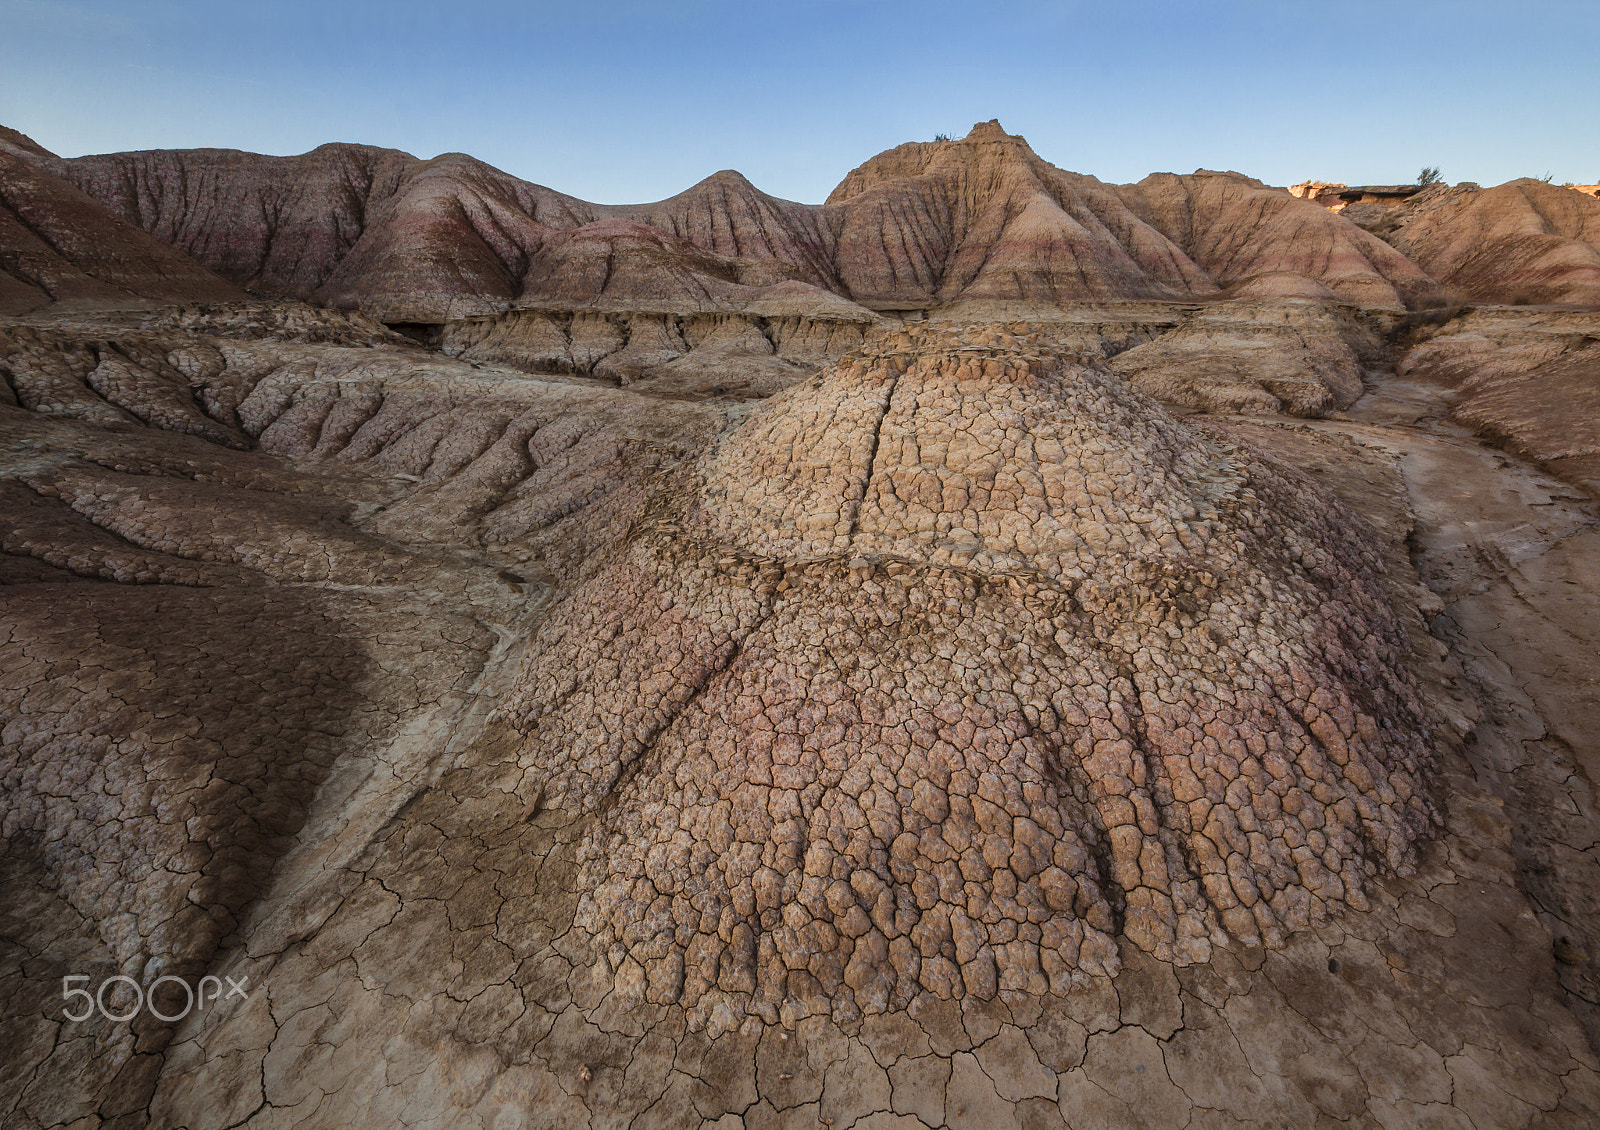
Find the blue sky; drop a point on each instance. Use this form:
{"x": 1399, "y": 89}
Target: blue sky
{"x": 625, "y": 101}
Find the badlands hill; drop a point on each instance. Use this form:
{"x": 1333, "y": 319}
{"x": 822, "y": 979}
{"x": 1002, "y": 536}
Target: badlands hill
{"x": 1524, "y": 242}
{"x": 982, "y": 219}
{"x": 991, "y": 650}
{"x": 58, "y": 245}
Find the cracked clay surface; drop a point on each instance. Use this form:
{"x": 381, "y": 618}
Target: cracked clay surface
{"x": 956, "y": 739}
{"x": 955, "y": 666}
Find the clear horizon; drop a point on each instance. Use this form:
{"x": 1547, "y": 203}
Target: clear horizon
{"x": 627, "y": 102}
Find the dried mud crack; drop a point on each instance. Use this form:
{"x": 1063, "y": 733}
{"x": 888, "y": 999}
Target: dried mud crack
{"x": 995, "y": 650}
{"x": 951, "y": 667}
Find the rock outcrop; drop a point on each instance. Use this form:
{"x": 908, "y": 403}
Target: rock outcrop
{"x": 727, "y": 215}
{"x": 1244, "y": 234}
{"x": 276, "y": 225}
{"x": 342, "y": 223}
{"x": 984, "y": 219}
{"x": 1299, "y": 359}
{"x": 699, "y": 354}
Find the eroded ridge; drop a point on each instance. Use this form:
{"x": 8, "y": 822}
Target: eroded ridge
{"x": 952, "y": 665}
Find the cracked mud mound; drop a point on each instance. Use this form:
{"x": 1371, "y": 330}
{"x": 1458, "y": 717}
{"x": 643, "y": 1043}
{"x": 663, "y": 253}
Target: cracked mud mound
{"x": 950, "y": 667}
{"x": 351, "y": 594}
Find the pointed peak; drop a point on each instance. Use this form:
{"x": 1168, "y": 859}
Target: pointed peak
{"x": 729, "y": 178}
{"x": 990, "y": 130}
{"x": 725, "y": 179}
{"x": 986, "y": 143}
